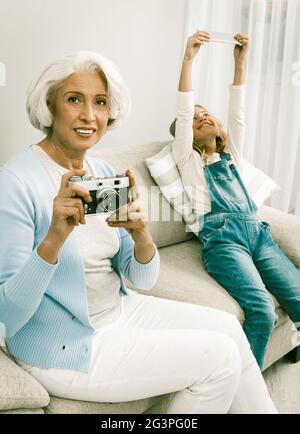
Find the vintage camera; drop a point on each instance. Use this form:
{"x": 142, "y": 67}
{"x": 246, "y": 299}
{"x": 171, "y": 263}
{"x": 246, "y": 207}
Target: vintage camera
{"x": 108, "y": 194}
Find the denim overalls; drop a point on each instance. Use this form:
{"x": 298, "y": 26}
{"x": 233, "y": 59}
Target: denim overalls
{"x": 239, "y": 252}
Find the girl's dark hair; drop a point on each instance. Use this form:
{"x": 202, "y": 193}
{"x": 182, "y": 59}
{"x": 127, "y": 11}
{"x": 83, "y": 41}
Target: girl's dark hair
{"x": 221, "y": 140}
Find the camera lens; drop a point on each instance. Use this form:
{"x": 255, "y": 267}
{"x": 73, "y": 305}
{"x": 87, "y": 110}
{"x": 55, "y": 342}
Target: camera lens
{"x": 108, "y": 200}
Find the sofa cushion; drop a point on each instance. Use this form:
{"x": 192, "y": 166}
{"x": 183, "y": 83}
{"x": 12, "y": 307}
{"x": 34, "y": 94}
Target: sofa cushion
{"x": 18, "y": 389}
{"x": 69, "y": 406}
{"x": 164, "y": 171}
{"x": 281, "y": 342}
{"x": 285, "y": 229}
{"x": 23, "y": 411}
{"x": 165, "y": 223}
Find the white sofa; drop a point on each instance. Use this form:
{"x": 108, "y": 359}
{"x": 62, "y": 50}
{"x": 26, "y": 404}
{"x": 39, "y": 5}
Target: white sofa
{"x": 182, "y": 277}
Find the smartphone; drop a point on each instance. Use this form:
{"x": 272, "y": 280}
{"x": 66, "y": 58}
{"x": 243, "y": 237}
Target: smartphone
{"x": 225, "y": 38}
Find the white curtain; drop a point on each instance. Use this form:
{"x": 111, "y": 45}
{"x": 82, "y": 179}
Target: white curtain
{"x": 2, "y": 74}
{"x": 273, "y": 82}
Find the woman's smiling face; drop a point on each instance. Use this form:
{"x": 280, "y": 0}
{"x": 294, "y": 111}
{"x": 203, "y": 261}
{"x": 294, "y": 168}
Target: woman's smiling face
{"x": 80, "y": 111}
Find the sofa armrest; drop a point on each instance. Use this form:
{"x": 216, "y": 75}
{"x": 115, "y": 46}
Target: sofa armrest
{"x": 285, "y": 229}
{"x": 18, "y": 389}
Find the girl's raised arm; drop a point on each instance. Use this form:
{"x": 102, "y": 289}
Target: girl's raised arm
{"x": 236, "y": 123}
{"x": 183, "y": 127}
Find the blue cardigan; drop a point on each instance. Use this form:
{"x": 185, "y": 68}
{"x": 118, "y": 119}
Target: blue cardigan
{"x": 44, "y": 307}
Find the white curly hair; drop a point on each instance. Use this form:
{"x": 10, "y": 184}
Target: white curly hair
{"x": 42, "y": 90}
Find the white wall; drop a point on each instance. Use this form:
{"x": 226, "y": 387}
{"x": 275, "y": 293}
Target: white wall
{"x": 143, "y": 38}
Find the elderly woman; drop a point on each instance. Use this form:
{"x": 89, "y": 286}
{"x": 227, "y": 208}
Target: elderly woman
{"x": 69, "y": 319}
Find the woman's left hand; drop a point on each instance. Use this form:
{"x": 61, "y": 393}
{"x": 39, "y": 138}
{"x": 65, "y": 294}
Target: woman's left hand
{"x": 240, "y": 51}
{"x": 133, "y": 218}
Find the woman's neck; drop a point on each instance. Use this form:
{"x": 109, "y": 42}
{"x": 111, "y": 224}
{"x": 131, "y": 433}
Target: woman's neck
{"x": 62, "y": 156}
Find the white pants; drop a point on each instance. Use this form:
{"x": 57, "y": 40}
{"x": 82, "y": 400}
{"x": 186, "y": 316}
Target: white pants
{"x": 199, "y": 355}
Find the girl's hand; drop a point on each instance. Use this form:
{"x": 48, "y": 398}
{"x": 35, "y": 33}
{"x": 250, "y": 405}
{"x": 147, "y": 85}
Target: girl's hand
{"x": 240, "y": 51}
{"x": 194, "y": 42}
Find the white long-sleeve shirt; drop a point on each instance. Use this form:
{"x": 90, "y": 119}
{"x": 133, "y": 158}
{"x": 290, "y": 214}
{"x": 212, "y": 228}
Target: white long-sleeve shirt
{"x": 189, "y": 161}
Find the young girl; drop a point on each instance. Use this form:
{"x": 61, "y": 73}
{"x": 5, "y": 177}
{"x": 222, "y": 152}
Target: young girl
{"x": 237, "y": 248}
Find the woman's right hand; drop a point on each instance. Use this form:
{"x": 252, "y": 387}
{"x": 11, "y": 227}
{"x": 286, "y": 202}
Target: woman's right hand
{"x": 194, "y": 42}
{"x": 68, "y": 212}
